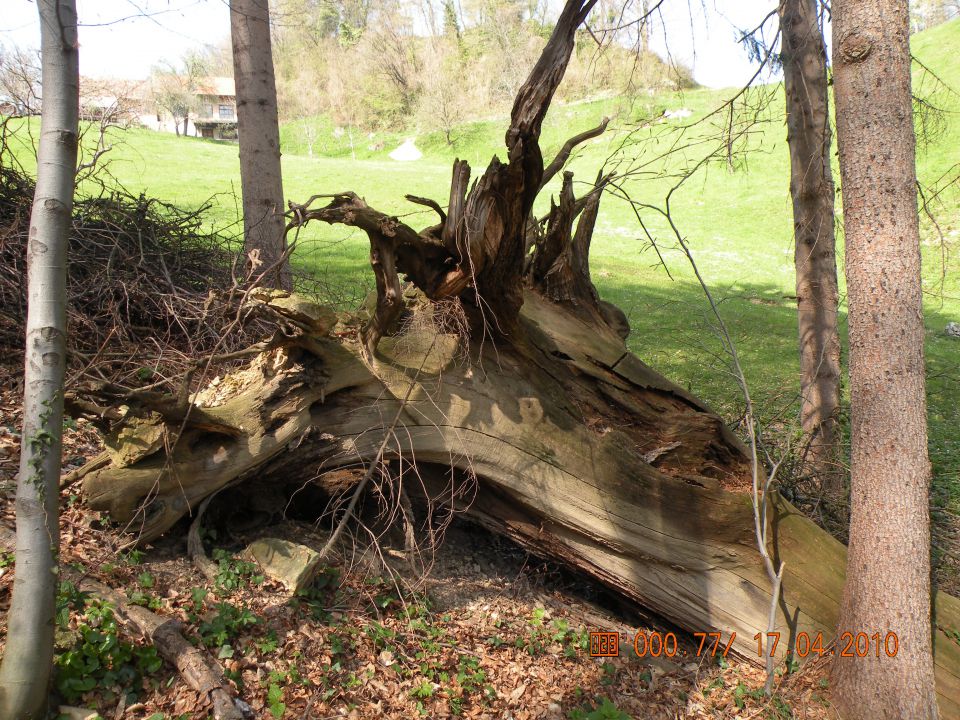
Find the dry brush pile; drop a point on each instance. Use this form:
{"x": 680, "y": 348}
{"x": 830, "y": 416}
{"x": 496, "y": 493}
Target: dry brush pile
{"x": 141, "y": 275}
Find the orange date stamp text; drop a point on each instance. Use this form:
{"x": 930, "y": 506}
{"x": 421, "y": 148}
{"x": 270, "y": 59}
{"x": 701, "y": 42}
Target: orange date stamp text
{"x": 712, "y": 644}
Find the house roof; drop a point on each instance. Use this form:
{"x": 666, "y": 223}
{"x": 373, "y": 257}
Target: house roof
{"x": 216, "y": 86}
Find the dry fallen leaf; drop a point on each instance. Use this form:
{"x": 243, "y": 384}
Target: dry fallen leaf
{"x": 518, "y": 692}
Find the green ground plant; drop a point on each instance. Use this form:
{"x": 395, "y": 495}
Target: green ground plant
{"x": 601, "y": 709}
{"x": 92, "y": 655}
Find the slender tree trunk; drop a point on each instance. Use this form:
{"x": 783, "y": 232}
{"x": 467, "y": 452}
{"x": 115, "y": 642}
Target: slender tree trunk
{"x": 25, "y": 673}
{"x": 645, "y": 27}
{"x": 259, "y": 131}
{"x": 811, "y": 187}
{"x": 888, "y": 564}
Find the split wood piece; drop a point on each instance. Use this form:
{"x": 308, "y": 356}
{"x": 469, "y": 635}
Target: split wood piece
{"x": 394, "y": 248}
{"x": 561, "y": 159}
{"x": 197, "y": 668}
{"x": 498, "y": 206}
{"x": 453, "y": 227}
{"x": 559, "y": 264}
{"x": 100, "y": 403}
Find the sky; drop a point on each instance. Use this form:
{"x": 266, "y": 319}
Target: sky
{"x": 126, "y": 38}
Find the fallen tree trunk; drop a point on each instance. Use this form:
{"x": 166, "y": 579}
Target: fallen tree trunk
{"x": 565, "y": 442}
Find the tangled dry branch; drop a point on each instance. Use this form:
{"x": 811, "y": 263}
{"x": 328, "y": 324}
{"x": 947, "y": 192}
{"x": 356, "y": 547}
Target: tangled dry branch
{"x": 150, "y": 286}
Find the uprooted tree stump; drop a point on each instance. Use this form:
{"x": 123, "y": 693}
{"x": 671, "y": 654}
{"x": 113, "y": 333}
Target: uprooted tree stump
{"x": 501, "y": 387}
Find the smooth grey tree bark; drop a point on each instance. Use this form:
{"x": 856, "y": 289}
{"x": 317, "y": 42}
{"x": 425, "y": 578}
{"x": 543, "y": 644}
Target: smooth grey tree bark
{"x": 888, "y": 564}
{"x": 259, "y": 131}
{"x": 28, "y": 658}
{"x": 811, "y": 189}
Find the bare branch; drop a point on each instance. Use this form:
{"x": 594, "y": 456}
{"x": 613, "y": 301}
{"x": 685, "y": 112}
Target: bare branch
{"x": 430, "y": 203}
{"x": 561, "y": 159}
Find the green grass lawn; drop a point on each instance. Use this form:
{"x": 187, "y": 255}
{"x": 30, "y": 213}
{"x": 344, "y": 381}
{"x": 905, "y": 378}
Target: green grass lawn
{"x": 738, "y": 224}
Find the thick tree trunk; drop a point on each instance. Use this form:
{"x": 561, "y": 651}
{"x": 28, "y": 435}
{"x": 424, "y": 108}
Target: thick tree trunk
{"x": 811, "y": 187}
{"x": 28, "y": 658}
{"x": 259, "y": 134}
{"x": 888, "y": 567}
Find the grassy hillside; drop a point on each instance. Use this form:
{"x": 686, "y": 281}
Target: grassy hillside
{"x": 738, "y": 224}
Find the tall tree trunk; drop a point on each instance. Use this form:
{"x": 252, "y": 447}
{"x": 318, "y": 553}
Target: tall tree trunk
{"x": 645, "y": 27}
{"x": 811, "y": 187}
{"x": 25, "y": 673}
{"x": 259, "y": 131}
{"x": 888, "y": 564}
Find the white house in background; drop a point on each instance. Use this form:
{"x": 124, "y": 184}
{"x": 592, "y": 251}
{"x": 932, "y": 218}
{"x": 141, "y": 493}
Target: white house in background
{"x": 213, "y": 112}
{"x": 216, "y": 111}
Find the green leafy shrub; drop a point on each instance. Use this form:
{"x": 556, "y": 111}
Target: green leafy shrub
{"x": 97, "y": 657}
{"x": 604, "y": 710}
{"x": 226, "y": 623}
{"x": 232, "y": 573}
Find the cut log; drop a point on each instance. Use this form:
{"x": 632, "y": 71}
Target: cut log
{"x": 566, "y": 443}
{"x": 195, "y": 666}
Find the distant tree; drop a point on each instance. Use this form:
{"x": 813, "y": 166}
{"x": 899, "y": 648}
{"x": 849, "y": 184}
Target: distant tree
{"x": 644, "y": 27}
{"x": 396, "y": 61}
{"x": 212, "y": 59}
{"x": 175, "y": 88}
{"x": 451, "y": 23}
{"x": 445, "y": 92}
{"x": 804, "y": 58}
{"x": 887, "y": 585}
{"x": 304, "y": 109}
{"x": 928, "y": 13}
{"x": 20, "y": 80}
{"x": 28, "y": 657}
{"x": 259, "y": 131}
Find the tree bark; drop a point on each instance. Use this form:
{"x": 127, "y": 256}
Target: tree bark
{"x": 259, "y": 134}
{"x": 25, "y": 672}
{"x": 888, "y": 566}
{"x": 811, "y": 188}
